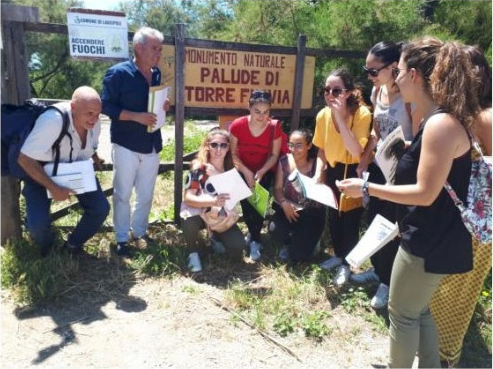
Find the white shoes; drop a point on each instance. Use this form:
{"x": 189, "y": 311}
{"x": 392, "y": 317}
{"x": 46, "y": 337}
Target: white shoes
{"x": 366, "y": 277}
{"x": 332, "y": 263}
{"x": 255, "y": 250}
{"x": 342, "y": 276}
{"x": 381, "y": 298}
{"x": 194, "y": 263}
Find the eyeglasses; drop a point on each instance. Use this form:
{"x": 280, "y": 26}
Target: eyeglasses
{"x": 260, "y": 95}
{"x": 374, "y": 71}
{"x": 334, "y": 91}
{"x": 396, "y": 71}
{"x": 295, "y": 146}
{"x": 218, "y": 145}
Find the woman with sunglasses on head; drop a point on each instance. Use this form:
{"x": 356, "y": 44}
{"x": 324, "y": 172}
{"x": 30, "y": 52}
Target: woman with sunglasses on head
{"x": 255, "y": 146}
{"x": 297, "y": 224}
{"x": 434, "y": 241}
{"x": 390, "y": 111}
{"x": 213, "y": 157}
{"x": 341, "y": 132}
{"x": 454, "y": 302}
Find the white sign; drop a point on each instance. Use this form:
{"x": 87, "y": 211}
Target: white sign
{"x": 97, "y": 36}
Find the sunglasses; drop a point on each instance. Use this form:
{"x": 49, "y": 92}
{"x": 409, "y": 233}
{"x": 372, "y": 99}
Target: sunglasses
{"x": 296, "y": 146}
{"x": 396, "y": 71}
{"x": 216, "y": 145}
{"x": 374, "y": 71}
{"x": 260, "y": 95}
{"x": 334, "y": 91}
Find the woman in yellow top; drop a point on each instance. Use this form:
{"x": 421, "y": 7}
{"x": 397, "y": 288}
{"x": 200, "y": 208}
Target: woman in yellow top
{"x": 341, "y": 132}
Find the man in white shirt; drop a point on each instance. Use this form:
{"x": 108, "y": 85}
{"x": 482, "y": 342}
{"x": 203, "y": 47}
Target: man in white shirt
{"x": 79, "y": 144}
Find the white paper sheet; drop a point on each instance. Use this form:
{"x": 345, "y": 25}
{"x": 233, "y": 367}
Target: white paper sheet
{"x": 230, "y": 182}
{"x": 78, "y": 176}
{"x": 312, "y": 190}
{"x": 378, "y": 234}
{"x": 157, "y": 97}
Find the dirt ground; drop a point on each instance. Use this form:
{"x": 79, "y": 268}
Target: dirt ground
{"x": 163, "y": 323}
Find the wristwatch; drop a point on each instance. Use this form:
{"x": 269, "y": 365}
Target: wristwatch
{"x": 366, "y": 194}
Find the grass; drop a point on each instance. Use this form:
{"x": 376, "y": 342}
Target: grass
{"x": 284, "y": 300}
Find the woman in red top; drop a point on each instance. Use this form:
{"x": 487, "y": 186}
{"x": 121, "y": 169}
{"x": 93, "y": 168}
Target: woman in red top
{"x": 255, "y": 146}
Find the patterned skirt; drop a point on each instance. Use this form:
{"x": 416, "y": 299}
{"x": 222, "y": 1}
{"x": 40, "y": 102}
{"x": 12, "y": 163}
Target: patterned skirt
{"x": 453, "y": 304}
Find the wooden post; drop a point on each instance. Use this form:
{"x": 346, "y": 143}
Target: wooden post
{"x": 179, "y": 115}
{"x": 15, "y": 90}
{"x": 298, "y": 82}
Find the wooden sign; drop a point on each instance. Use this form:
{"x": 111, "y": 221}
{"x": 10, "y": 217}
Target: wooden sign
{"x": 224, "y": 78}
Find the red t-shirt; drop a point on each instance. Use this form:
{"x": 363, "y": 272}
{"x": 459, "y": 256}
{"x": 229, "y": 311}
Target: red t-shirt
{"x": 254, "y": 151}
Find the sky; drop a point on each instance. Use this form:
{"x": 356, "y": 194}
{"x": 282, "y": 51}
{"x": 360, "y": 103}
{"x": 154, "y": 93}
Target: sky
{"x": 102, "y": 4}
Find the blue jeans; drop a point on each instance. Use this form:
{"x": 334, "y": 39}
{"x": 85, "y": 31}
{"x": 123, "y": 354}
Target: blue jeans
{"x": 38, "y": 220}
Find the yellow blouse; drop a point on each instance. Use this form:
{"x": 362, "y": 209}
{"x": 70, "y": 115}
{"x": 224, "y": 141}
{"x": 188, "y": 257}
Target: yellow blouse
{"x": 327, "y": 138}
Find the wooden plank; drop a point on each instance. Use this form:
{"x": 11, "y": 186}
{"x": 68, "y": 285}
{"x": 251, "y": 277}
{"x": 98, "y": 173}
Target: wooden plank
{"x": 179, "y": 116}
{"x": 16, "y": 13}
{"x": 298, "y": 82}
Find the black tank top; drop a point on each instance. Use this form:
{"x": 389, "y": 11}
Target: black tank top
{"x": 436, "y": 232}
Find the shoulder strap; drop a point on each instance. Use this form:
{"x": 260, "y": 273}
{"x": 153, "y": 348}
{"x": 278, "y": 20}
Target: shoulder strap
{"x": 64, "y": 132}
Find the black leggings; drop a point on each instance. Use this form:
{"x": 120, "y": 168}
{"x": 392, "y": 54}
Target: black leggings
{"x": 343, "y": 226}
{"x": 383, "y": 259}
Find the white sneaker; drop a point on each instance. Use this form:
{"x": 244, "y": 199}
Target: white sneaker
{"x": 194, "y": 263}
{"x": 366, "y": 277}
{"x": 255, "y": 250}
{"x": 381, "y": 298}
{"x": 284, "y": 253}
{"x": 332, "y": 263}
{"x": 342, "y": 276}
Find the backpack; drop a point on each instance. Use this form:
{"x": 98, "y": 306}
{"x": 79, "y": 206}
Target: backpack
{"x": 17, "y": 123}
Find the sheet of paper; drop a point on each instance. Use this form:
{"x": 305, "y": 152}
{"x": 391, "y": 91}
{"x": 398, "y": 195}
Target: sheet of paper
{"x": 314, "y": 191}
{"x": 387, "y": 155}
{"x": 79, "y": 176}
{"x": 259, "y": 199}
{"x": 157, "y": 97}
{"x": 230, "y": 182}
{"x": 378, "y": 234}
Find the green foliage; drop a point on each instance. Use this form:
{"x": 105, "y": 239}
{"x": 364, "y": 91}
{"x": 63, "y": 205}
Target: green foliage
{"x": 192, "y": 138}
{"x": 354, "y": 298}
{"x": 313, "y": 326}
{"x": 159, "y": 261}
{"x": 31, "y": 279}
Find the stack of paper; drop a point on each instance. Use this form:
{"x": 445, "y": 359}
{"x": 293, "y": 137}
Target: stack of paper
{"x": 230, "y": 183}
{"x": 259, "y": 199}
{"x": 157, "y": 96}
{"x": 78, "y": 176}
{"x": 378, "y": 234}
{"x": 309, "y": 189}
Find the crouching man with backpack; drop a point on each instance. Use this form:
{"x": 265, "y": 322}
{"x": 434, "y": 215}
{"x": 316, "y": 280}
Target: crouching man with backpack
{"x": 79, "y": 143}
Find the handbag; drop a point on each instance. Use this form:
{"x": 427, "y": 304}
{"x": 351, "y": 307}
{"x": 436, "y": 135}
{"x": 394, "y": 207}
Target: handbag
{"x": 476, "y": 213}
{"x": 347, "y": 203}
{"x": 219, "y": 219}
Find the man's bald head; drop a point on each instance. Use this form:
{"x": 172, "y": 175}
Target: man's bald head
{"x": 86, "y": 106}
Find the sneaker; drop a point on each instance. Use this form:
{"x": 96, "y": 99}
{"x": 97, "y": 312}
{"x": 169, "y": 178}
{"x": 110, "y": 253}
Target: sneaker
{"x": 366, "y": 277}
{"x": 77, "y": 251}
{"x": 284, "y": 253}
{"x": 342, "y": 276}
{"x": 248, "y": 238}
{"x": 218, "y": 247}
{"x": 381, "y": 298}
{"x": 332, "y": 263}
{"x": 255, "y": 250}
{"x": 143, "y": 242}
{"x": 122, "y": 249}
{"x": 194, "y": 263}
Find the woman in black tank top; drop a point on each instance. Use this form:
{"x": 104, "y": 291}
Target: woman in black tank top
{"x": 434, "y": 241}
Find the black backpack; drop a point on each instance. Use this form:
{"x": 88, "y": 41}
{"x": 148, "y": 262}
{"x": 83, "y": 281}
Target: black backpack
{"x": 16, "y": 124}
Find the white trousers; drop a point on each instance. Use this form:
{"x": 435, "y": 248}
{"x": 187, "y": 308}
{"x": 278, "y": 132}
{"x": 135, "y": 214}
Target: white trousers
{"x": 132, "y": 169}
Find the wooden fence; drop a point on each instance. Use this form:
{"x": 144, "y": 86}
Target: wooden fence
{"x": 17, "y": 20}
